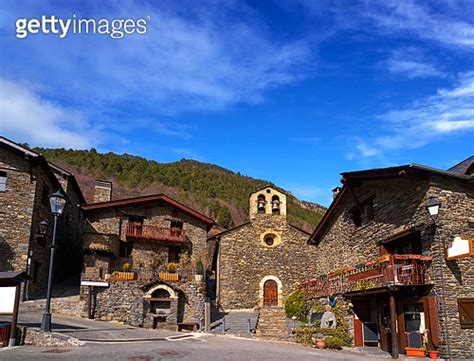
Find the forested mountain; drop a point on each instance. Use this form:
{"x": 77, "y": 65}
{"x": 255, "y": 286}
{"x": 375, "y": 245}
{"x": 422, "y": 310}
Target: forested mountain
{"x": 213, "y": 190}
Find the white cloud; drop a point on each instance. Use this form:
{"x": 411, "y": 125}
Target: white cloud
{"x": 208, "y": 58}
{"x": 449, "y": 25}
{"x": 411, "y": 63}
{"x": 27, "y": 117}
{"x": 448, "y": 113}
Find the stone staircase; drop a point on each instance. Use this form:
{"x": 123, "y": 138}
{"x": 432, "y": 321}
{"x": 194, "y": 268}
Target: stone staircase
{"x": 272, "y": 323}
{"x": 235, "y": 322}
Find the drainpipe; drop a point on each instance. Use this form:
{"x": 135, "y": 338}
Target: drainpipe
{"x": 443, "y": 289}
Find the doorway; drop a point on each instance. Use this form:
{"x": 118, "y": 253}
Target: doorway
{"x": 270, "y": 293}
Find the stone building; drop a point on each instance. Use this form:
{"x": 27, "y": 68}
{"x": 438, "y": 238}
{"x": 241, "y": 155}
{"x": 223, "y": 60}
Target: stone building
{"x": 259, "y": 263}
{"x": 379, "y": 249}
{"x": 26, "y": 180}
{"x": 134, "y": 245}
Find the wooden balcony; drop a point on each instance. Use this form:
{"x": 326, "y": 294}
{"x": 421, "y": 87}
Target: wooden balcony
{"x": 166, "y": 234}
{"x": 394, "y": 270}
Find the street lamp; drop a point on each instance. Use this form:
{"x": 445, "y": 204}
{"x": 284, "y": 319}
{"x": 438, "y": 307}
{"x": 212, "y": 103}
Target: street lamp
{"x": 433, "y": 205}
{"x": 57, "y": 202}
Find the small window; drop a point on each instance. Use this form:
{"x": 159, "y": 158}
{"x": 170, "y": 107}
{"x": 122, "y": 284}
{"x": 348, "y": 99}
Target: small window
{"x": 176, "y": 225}
{"x": 125, "y": 249}
{"x": 261, "y": 204}
{"x": 275, "y": 205}
{"x": 356, "y": 217}
{"x": 3, "y": 181}
{"x": 173, "y": 255}
{"x": 269, "y": 240}
{"x": 466, "y": 312}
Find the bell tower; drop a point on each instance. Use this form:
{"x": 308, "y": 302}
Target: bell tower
{"x": 267, "y": 201}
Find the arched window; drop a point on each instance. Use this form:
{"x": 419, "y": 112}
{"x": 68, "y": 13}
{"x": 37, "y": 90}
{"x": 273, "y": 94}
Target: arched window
{"x": 275, "y": 205}
{"x": 261, "y": 203}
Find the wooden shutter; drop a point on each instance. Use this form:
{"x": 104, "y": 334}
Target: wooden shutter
{"x": 466, "y": 312}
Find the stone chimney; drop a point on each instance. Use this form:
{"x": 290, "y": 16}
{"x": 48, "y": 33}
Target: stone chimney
{"x": 102, "y": 191}
{"x": 335, "y": 192}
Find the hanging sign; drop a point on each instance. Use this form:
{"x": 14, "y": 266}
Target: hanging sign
{"x": 7, "y": 300}
{"x": 459, "y": 248}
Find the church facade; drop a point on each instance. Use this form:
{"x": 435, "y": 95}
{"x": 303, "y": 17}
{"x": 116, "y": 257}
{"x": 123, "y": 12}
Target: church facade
{"x": 259, "y": 263}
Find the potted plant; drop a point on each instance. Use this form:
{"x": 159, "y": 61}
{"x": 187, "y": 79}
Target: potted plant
{"x": 199, "y": 271}
{"x": 415, "y": 351}
{"x": 433, "y": 354}
{"x": 172, "y": 274}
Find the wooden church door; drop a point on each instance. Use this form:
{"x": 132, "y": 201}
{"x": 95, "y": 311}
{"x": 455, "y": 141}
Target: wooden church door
{"x": 270, "y": 293}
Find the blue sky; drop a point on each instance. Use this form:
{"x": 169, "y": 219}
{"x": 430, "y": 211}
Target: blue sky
{"x": 294, "y": 92}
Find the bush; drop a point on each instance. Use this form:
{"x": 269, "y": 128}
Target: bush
{"x": 199, "y": 267}
{"x": 172, "y": 267}
{"x": 126, "y": 267}
{"x": 296, "y": 305}
{"x": 334, "y": 342}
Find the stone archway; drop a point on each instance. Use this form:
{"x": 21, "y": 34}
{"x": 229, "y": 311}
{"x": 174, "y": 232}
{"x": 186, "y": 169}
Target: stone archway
{"x": 171, "y": 291}
{"x": 261, "y": 290}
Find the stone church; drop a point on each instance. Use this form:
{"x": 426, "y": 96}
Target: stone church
{"x": 259, "y": 263}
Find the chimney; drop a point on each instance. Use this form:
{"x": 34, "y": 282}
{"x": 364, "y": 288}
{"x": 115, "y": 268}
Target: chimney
{"x": 102, "y": 191}
{"x": 335, "y": 192}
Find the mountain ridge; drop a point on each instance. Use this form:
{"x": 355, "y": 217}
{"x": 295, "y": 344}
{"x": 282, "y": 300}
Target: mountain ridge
{"x": 211, "y": 189}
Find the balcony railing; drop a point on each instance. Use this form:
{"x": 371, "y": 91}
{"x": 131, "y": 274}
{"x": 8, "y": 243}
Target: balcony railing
{"x": 155, "y": 233}
{"x": 396, "y": 270}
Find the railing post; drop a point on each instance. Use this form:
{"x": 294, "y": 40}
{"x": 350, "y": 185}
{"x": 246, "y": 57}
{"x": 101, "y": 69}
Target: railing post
{"x": 223, "y": 325}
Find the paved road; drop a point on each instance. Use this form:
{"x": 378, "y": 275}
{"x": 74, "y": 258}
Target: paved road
{"x": 195, "y": 347}
{"x": 85, "y": 329}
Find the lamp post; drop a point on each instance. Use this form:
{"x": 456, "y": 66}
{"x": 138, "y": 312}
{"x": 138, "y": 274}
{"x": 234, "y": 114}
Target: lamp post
{"x": 433, "y": 205}
{"x": 57, "y": 202}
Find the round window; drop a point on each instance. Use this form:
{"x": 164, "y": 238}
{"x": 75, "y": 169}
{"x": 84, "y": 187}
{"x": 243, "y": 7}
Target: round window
{"x": 269, "y": 240}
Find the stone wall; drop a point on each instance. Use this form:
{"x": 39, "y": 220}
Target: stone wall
{"x": 16, "y": 209}
{"x": 23, "y": 206}
{"x": 457, "y": 210}
{"x": 128, "y": 302}
{"x": 245, "y": 260}
{"x": 399, "y": 205}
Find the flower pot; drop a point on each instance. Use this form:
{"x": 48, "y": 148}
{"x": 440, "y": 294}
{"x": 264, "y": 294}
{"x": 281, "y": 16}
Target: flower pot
{"x": 166, "y": 276}
{"x": 433, "y": 354}
{"x": 413, "y": 351}
{"x": 321, "y": 344}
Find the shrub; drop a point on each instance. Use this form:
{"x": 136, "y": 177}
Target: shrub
{"x": 296, "y": 305}
{"x": 199, "y": 267}
{"x": 172, "y": 267}
{"x": 126, "y": 267}
{"x": 334, "y": 342}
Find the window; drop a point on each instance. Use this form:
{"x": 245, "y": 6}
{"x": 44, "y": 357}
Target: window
{"x": 176, "y": 228}
{"x": 3, "y": 181}
{"x": 269, "y": 240}
{"x": 125, "y": 249}
{"x": 466, "y": 312}
{"x": 275, "y": 205}
{"x": 173, "y": 255}
{"x": 356, "y": 217}
{"x": 261, "y": 204}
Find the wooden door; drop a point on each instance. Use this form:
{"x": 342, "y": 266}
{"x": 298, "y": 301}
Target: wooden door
{"x": 270, "y": 293}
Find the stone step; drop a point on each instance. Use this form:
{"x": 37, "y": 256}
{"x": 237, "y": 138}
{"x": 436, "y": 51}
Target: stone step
{"x": 272, "y": 323}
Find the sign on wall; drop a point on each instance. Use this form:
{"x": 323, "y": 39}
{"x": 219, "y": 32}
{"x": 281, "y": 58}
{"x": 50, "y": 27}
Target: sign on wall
{"x": 459, "y": 248}
{"x": 7, "y": 300}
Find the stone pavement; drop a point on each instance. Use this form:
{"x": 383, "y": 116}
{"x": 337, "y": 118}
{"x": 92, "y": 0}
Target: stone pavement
{"x": 91, "y": 330}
